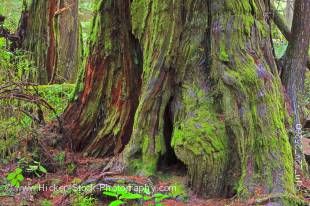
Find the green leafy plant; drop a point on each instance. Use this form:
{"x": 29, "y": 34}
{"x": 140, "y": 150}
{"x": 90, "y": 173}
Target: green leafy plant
{"x": 81, "y": 200}
{"x": 71, "y": 167}
{"x": 122, "y": 196}
{"x": 36, "y": 168}
{"x": 158, "y": 197}
{"x": 60, "y": 158}
{"x": 16, "y": 177}
{"x": 46, "y": 203}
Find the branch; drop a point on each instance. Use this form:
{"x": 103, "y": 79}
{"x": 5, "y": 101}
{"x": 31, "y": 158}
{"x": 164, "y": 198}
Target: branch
{"x": 284, "y": 29}
{"x": 6, "y": 34}
{"x": 280, "y": 22}
{"x": 33, "y": 99}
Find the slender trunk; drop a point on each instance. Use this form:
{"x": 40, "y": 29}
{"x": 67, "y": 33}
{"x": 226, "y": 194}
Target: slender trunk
{"x": 210, "y": 94}
{"x": 289, "y": 12}
{"x": 68, "y": 41}
{"x": 295, "y": 66}
{"x": 52, "y": 35}
{"x": 295, "y": 59}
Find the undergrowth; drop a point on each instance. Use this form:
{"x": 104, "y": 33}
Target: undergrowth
{"x": 19, "y": 118}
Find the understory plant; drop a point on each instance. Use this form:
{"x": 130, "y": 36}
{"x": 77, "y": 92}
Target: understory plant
{"x": 15, "y": 177}
{"x": 122, "y": 196}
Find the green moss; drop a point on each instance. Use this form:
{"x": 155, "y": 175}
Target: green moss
{"x": 146, "y": 166}
{"x": 199, "y": 138}
{"x": 200, "y": 123}
{"x": 248, "y": 22}
{"x": 223, "y": 54}
{"x": 139, "y": 12}
{"x": 236, "y": 7}
{"x": 179, "y": 191}
{"x": 262, "y": 27}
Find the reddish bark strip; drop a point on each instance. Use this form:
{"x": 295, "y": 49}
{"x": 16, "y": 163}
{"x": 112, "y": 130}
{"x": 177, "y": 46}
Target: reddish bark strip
{"x": 103, "y": 113}
{"x": 51, "y": 52}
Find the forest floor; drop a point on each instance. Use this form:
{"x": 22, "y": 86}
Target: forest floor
{"x": 88, "y": 170}
{"x": 76, "y": 170}
{"x": 66, "y": 184}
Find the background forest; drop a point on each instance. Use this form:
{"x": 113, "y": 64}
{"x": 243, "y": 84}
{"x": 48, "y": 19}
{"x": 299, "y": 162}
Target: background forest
{"x": 59, "y": 126}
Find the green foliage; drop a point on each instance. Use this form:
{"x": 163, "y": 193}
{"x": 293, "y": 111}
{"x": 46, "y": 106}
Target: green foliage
{"x": 32, "y": 166}
{"x": 71, "y": 168}
{"x": 223, "y": 55}
{"x": 60, "y": 158}
{"x": 179, "y": 191}
{"x": 11, "y": 10}
{"x": 36, "y": 168}
{"x": 16, "y": 177}
{"x": 86, "y": 15}
{"x": 57, "y": 95}
{"x": 5, "y": 190}
{"x": 123, "y": 196}
{"x": 117, "y": 203}
{"x": 279, "y": 48}
{"x": 46, "y": 203}
{"x": 81, "y": 200}
{"x": 16, "y": 125}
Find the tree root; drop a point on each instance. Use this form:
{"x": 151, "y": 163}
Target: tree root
{"x": 279, "y": 198}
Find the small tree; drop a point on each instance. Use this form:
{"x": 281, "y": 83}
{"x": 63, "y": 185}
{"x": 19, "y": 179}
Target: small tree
{"x": 52, "y": 35}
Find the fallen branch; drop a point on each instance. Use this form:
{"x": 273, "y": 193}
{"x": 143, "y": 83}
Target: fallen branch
{"x": 277, "y": 197}
{"x": 6, "y": 34}
{"x": 33, "y": 99}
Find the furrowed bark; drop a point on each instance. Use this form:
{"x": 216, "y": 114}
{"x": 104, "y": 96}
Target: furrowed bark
{"x": 68, "y": 41}
{"x": 103, "y": 113}
{"x": 210, "y": 94}
{"x": 296, "y": 56}
{"x": 51, "y": 50}
{"x": 52, "y": 37}
{"x": 215, "y": 62}
{"x": 289, "y": 12}
{"x": 35, "y": 38}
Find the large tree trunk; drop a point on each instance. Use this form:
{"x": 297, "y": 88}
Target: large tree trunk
{"x": 210, "y": 94}
{"x": 52, "y": 35}
{"x": 104, "y": 111}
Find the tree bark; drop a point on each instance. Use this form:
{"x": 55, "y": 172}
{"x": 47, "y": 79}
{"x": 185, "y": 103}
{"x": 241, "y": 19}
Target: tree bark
{"x": 289, "y": 12}
{"x": 210, "y": 94}
{"x": 284, "y": 28}
{"x": 52, "y": 35}
{"x": 296, "y": 56}
{"x": 103, "y": 113}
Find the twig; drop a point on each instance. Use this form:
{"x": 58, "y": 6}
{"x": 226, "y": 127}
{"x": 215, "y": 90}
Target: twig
{"x": 33, "y": 99}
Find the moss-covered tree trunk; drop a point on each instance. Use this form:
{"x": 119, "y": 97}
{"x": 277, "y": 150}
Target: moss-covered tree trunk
{"x": 52, "y": 37}
{"x": 210, "y": 94}
{"x": 103, "y": 114}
